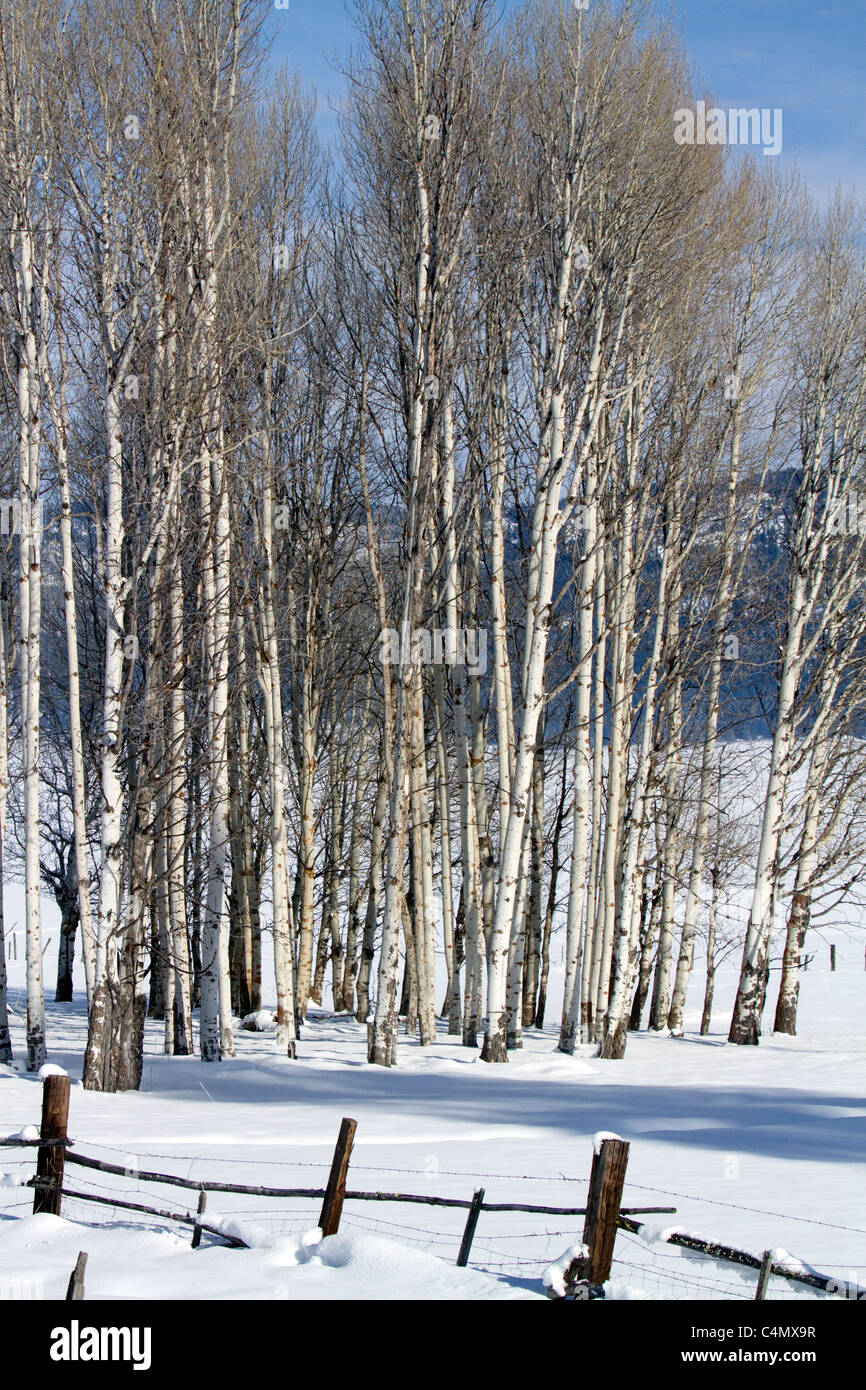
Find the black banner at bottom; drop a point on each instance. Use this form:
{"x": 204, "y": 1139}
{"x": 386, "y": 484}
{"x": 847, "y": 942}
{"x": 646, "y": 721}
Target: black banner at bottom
{"x": 237, "y": 1338}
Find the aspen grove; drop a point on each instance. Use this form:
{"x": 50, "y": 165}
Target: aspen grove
{"x": 396, "y": 535}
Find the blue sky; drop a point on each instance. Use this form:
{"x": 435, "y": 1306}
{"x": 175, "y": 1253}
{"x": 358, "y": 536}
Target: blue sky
{"x": 807, "y": 58}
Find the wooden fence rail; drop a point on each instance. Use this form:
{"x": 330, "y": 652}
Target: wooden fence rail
{"x": 14, "y": 1142}
{"x": 185, "y": 1218}
{"x": 728, "y": 1254}
{"x": 251, "y": 1190}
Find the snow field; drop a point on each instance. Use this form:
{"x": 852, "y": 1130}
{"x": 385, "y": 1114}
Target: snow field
{"x": 758, "y": 1148}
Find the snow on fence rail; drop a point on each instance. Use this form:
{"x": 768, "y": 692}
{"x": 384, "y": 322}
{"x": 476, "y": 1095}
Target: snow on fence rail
{"x": 579, "y": 1274}
{"x": 773, "y": 1263}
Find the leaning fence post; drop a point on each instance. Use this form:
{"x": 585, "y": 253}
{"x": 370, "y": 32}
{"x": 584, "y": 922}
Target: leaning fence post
{"x": 51, "y": 1156}
{"x": 471, "y": 1222}
{"x": 75, "y": 1288}
{"x": 764, "y": 1276}
{"x": 335, "y": 1192}
{"x": 196, "y": 1230}
{"x": 606, "y": 1182}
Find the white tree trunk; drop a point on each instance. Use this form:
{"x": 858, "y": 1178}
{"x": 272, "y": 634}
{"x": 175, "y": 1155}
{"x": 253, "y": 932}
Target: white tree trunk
{"x": 612, "y": 1043}
{"x": 5, "y": 1038}
{"x": 579, "y": 909}
{"x": 97, "y": 1063}
{"x": 708, "y": 754}
{"x": 30, "y": 607}
{"x": 269, "y": 680}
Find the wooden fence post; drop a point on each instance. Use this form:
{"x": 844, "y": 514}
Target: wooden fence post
{"x": 471, "y": 1223}
{"x": 196, "y": 1230}
{"x": 75, "y": 1288}
{"x": 606, "y": 1182}
{"x": 335, "y": 1192}
{"x": 764, "y": 1276}
{"x": 51, "y": 1156}
{"x": 832, "y": 957}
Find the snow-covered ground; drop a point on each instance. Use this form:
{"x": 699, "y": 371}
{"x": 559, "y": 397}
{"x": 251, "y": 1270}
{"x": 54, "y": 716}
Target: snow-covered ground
{"x": 759, "y": 1148}
{"x": 39, "y": 1253}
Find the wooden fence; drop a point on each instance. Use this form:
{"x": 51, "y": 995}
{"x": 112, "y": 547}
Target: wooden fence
{"x": 584, "y": 1278}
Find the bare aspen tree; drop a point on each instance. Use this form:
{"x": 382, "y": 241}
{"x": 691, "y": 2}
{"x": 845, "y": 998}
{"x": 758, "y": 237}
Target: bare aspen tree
{"x": 579, "y": 908}
{"x": 584, "y": 288}
{"x": 216, "y": 42}
{"x": 5, "y": 1037}
{"x": 827, "y": 849}
{"x": 415, "y": 105}
{"x": 469, "y": 847}
{"x": 362, "y": 783}
{"x": 825, "y": 562}
{"x": 20, "y": 177}
{"x": 57, "y": 401}
{"x": 119, "y": 260}
{"x": 281, "y": 207}
{"x": 750, "y": 334}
